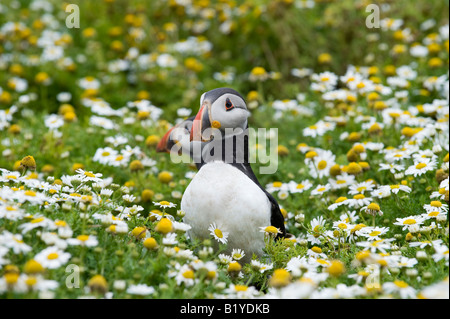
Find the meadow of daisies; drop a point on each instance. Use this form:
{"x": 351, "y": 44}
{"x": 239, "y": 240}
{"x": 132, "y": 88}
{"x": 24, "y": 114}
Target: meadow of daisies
{"x": 88, "y": 208}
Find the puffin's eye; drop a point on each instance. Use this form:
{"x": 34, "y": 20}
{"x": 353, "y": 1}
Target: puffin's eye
{"x": 228, "y": 105}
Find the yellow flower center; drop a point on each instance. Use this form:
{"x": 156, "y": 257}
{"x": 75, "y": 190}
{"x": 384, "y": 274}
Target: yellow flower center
{"x": 30, "y": 193}
{"x": 373, "y": 206}
{"x": 234, "y": 267}
{"x": 363, "y": 273}
{"x": 433, "y": 214}
{"x": 321, "y": 189}
{"x": 341, "y": 199}
{"x": 336, "y": 268}
{"x": 311, "y": 154}
{"x": 382, "y": 262}
{"x": 240, "y": 288}
{"x": 277, "y": 184}
{"x": 300, "y": 186}
{"x": 359, "y": 196}
{"x": 409, "y": 221}
{"x": 421, "y": 165}
{"x": 87, "y": 198}
{"x": 322, "y": 165}
{"x": 316, "y": 249}
{"x": 436, "y": 204}
{"x": 357, "y": 228}
{"x": 280, "y": 278}
{"x": 375, "y": 233}
{"x": 37, "y": 220}
{"x": 188, "y": 274}
{"x": 218, "y": 233}
{"x": 359, "y": 148}
{"x": 83, "y": 238}
{"x": 150, "y": 243}
{"x": 11, "y": 278}
{"x": 237, "y": 255}
{"x": 258, "y": 71}
{"x": 164, "y": 203}
{"x": 164, "y": 226}
{"x": 354, "y": 168}
{"x": 360, "y": 85}
{"x": 362, "y": 255}
{"x": 52, "y": 256}
{"x": 89, "y": 174}
{"x": 31, "y": 281}
{"x": 394, "y": 115}
{"x": 316, "y": 230}
{"x": 271, "y": 230}
{"x": 342, "y": 226}
{"x": 322, "y": 261}
{"x": 401, "y": 284}
{"x": 32, "y": 267}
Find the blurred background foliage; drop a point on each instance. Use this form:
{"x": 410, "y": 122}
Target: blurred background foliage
{"x": 277, "y": 35}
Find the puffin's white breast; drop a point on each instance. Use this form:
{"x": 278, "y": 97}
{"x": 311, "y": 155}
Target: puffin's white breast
{"x": 222, "y": 194}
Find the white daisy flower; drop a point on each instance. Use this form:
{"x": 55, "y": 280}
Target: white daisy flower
{"x": 218, "y": 234}
{"x": 52, "y": 257}
{"x": 140, "y": 289}
{"x": 83, "y": 240}
{"x": 400, "y": 287}
{"x": 165, "y": 204}
{"x": 421, "y": 167}
{"x": 237, "y": 254}
{"x": 408, "y": 221}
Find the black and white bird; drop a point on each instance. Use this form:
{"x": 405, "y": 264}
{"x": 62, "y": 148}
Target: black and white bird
{"x": 225, "y": 191}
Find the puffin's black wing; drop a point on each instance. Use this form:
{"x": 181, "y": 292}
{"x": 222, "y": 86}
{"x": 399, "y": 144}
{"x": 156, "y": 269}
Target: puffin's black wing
{"x": 276, "y": 217}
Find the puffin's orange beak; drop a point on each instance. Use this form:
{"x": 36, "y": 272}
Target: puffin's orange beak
{"x": 201, "y": 122}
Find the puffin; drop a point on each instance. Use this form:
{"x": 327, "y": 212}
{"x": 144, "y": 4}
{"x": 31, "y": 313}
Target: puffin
{"x": 225, "y": 191}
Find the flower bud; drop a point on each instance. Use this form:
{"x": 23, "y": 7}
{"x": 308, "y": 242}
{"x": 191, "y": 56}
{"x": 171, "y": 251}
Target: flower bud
{"x": 421, "y": 255}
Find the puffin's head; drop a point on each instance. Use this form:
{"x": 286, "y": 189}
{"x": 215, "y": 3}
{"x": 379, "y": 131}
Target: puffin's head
{"x": 220, "y": 109}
